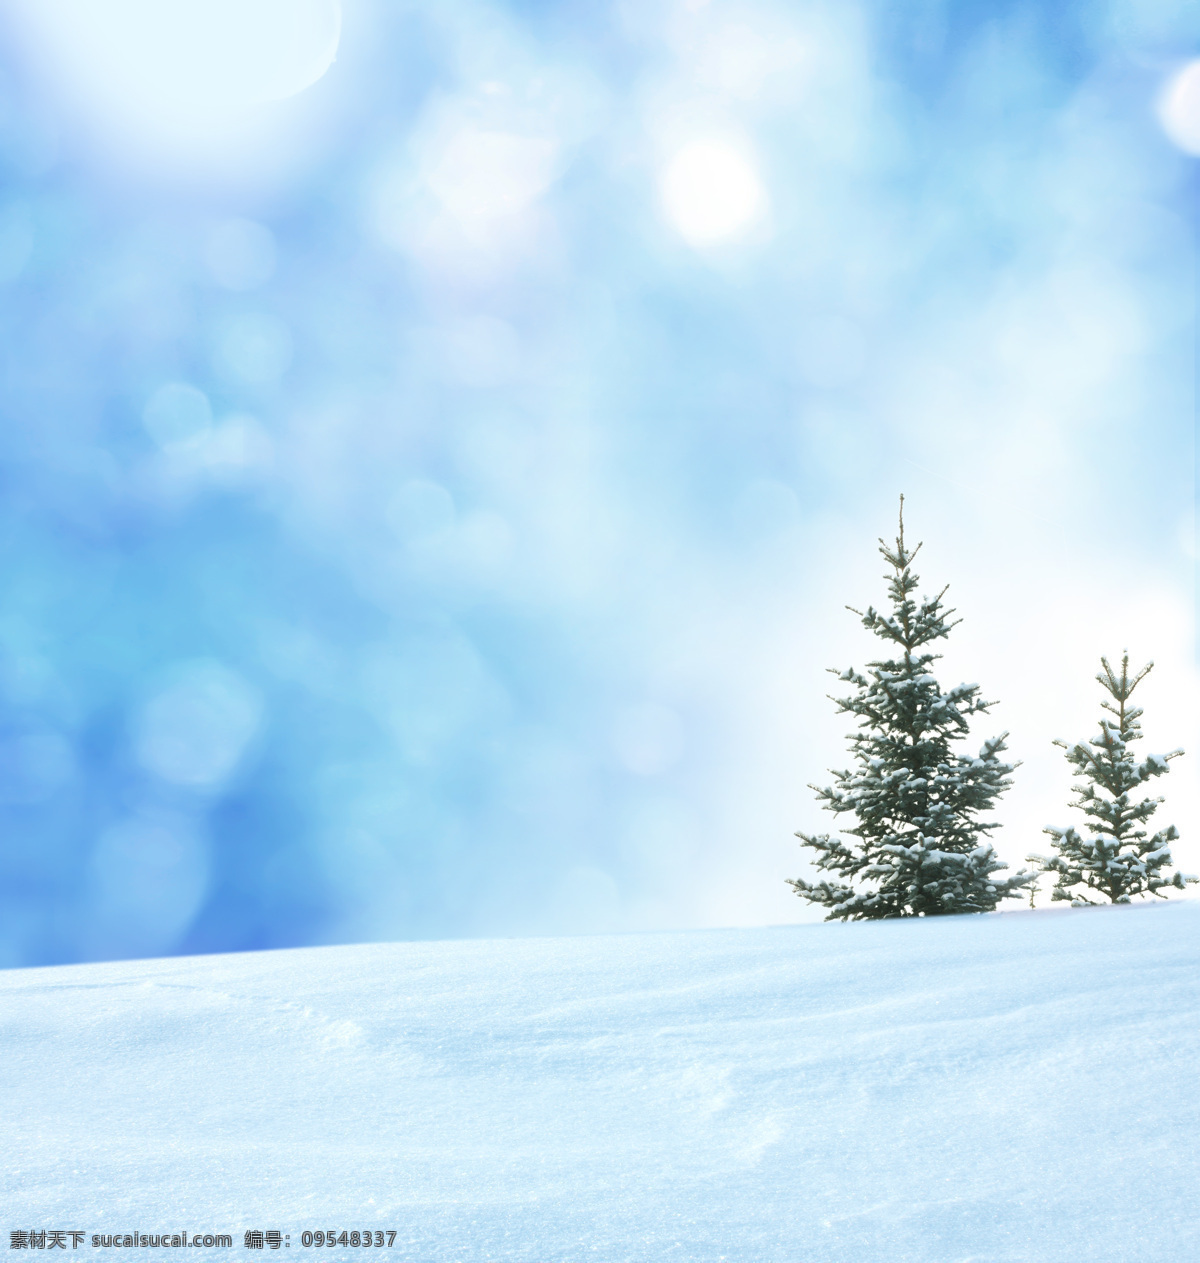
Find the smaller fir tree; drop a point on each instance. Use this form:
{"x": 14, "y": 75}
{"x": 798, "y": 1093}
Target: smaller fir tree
{"x": 920, "y": 850}
{"x": 1120, "y": 860}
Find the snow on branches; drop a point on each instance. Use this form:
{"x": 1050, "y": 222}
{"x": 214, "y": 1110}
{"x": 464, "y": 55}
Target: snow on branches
{"x": 919, "y": 849}
{"x": 1120, "y": 860}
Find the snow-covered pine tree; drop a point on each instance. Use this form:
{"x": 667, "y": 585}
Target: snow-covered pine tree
{"x": 1119, "y": 860}
{"x": 920, "y": 851}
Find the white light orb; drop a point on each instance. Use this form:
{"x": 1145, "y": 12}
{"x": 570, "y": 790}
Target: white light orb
{"x": 711, "y": 191}
{"x": 1179, "y": 108}
{"x": 179, "y": 70}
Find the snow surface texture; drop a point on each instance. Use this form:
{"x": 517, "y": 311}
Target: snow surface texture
{"x": 1016, "y": 1086}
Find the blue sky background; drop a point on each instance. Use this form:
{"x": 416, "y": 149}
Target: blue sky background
{"x": 429, "y": 496}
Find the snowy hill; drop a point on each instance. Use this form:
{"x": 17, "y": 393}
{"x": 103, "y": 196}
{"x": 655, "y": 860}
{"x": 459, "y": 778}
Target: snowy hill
{"x": 1010, "y": 1087}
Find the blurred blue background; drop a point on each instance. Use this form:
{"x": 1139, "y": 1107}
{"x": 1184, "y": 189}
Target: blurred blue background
{"x": 438, "y": 441}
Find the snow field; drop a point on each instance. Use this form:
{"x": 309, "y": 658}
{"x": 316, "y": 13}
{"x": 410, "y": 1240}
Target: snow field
{"x": 1019, "y": 1086}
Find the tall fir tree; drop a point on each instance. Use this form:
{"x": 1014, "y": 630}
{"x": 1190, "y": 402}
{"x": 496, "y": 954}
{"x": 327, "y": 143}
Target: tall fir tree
{"x": 919, "y": 849}
{"x": 1119, "y": 860}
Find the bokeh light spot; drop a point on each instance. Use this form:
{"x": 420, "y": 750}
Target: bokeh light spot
{"x": 150, "y": 874}
{"x": 240, "y": 254}
{"x": 711, "y": 191}
{"x": 16, "y": 240}
{"x": 1179, "y": 108}
{"x": 482, "y": 176}
{"x": 177, "y": 414}
{"x": 254, "y": 348}
{"x": 419, "y": 510}
{"x": 238, "y": 449}
{"x": 187, "y": 66}
{"x": 196, "y": 729}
